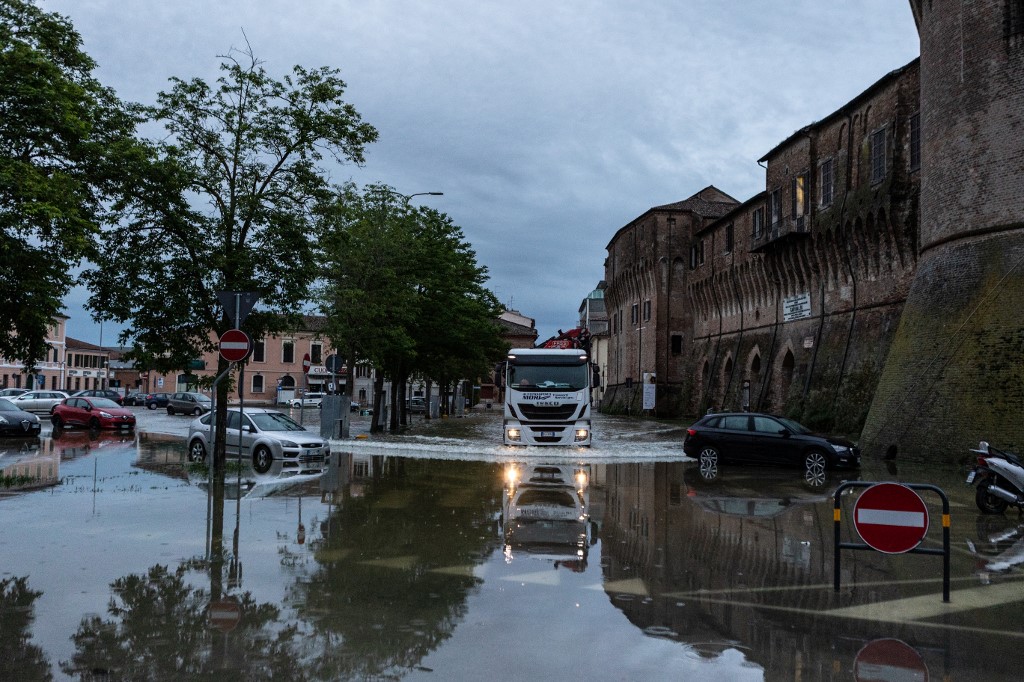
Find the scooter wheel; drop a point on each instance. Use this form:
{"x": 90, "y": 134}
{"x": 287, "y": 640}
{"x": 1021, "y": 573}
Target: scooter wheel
{"x": 989, "y": 503}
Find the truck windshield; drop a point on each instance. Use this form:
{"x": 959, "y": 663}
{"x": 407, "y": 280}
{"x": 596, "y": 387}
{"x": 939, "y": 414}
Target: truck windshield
{"x": 547, "y": 377}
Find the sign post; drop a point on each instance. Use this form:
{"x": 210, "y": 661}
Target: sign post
{"x": 891, "y": 518}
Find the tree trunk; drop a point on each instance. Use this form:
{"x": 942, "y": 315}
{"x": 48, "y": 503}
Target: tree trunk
{"x": 426, "y": 397}
{"x": 376, "y": 425}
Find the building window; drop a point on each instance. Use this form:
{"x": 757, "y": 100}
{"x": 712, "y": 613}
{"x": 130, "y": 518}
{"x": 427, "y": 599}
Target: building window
{"x": 693, "y": 257}
{"x": 257, "y": 383}
{"x": 259, "y": 351}
{"x": 316, "y": 354}
{"x": 677, "y": 344}
{"x": 798, "y": 202}
{"x": 825, "y": 182}
{"x": 700, "y": 254}
{"x": 915, "y": 141}
{"x": 363, "y": 371}
{"x": 878, "y": 156}
{"x": 634, "y": 314}
{"x": 728, "y": 238}
{"x": 775, "y": 207}
{"x": 647, "y": 309}
{"x": 288, "y": 351}
{"x": 757, "y": 222}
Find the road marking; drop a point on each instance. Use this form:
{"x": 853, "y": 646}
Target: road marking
{"x": 929, "y": 606}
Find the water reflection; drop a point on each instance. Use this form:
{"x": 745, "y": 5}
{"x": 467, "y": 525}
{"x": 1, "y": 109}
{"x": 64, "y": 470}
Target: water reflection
{"x": 388, "y": 567}
{"x": 545, "y": 512}
{"x": 25, "y": 464}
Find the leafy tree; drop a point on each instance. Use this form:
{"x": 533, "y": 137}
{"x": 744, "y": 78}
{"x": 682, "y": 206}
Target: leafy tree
{"x": 19, "y": 658}
{"x": 229, "y": 205}
{"x": 404, "y": 291}
{"x": 67, "y": 152}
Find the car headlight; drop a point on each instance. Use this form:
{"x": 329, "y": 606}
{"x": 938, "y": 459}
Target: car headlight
{"x": 106, "y": 415}
{"x": 288, "y": 444}
{"x": 3, "y": 420}
{"x": 841, "y": 449}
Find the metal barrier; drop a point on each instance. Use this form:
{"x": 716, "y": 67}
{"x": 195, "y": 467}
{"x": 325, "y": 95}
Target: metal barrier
{"x": 839, "y": 545}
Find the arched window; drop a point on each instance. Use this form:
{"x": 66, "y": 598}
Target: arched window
{"x": 287, "y": 381}
{"x": 755, "y": 365}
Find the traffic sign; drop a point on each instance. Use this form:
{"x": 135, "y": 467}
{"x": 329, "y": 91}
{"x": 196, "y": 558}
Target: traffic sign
{"x": 235, "y": 345}
{"x": 889, "y": 659}
{"x": 306, "y": 363}
{"x": 891, "y": 518}
{"x": 333, "y": 364}
{"x": 225, "y": 614}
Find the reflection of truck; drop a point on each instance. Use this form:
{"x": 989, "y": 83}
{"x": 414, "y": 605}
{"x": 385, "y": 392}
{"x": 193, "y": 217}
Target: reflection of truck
{"x": 547, "y": 396}
{"x": 546, "y": 512}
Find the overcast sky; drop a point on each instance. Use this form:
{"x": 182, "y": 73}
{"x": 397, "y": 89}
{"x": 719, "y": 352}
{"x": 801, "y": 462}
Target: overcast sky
{"x": 548, "y": 126}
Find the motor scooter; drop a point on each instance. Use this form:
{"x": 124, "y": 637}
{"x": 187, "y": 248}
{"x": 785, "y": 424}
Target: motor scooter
{"x": 999, "y": 476}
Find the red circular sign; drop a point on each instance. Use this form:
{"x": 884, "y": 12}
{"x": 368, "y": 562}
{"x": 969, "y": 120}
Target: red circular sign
{"x": 305, "y": 363}
{"x": 889, "y": 659}
{"x": 234, "y": 345}
{"x": 891, "y": 518}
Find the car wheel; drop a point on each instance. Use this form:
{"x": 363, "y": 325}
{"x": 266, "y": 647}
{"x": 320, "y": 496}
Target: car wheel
{"x": 815, "y": 462}
{"x": 987, "y": 502}
{"x": 707, "y": 462}
{"x": 151, "y": 406}
{"x": 261, "y": 459}
{"x": 196, "y": 451}
{"x": 94, "y": 424}
{"x": 196, "y": 412}
{"x": 57, "y": 422}
{"x": 170, "y": 410}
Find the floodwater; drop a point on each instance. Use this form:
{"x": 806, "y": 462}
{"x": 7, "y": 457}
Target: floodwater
{"x": 441, "y": 555}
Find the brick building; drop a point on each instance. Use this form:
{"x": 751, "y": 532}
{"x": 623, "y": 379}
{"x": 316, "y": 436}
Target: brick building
{"x": 788, "y": 298}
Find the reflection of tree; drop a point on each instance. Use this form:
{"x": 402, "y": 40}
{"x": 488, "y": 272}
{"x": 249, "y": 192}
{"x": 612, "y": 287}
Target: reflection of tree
{"x": 19, "y": 660}
{"x": 377, "y": 602}
{"x": 159, "y": 630}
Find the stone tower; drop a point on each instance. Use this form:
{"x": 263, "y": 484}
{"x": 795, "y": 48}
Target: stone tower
{"x": 955, "y": 371}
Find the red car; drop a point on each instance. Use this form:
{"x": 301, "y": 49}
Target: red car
{"x": 95, "y": 413}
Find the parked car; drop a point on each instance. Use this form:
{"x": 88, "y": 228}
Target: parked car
{"x": 100, "y": 393}
{"x": 267, "y": 436}
{"x": 17, "y": 422}
{"x": 11, "y": 392}
{"x": 92, "y": 412}
{"x": 135, "y": 399}
{"x": 40, "y": 402}
{"x": 754, "y": 438}
{"x": 416, "y": 405}
{"x": 308, "y": 400}
{"x": 189, "y": 403}
{"x": 155, "y": 400}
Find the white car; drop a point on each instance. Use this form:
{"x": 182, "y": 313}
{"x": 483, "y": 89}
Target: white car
{"x": 267, "y": 437}
{"x": 41, "y": 402}
{"x": 308, "y": 400}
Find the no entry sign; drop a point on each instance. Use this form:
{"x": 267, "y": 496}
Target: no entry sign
{"x": 234, "y": 345}
{"x": 891, "y": 518}
{"x": 305, "y": 363}
{"x": 884, "y": 660}
{"x": 225, "y": 614}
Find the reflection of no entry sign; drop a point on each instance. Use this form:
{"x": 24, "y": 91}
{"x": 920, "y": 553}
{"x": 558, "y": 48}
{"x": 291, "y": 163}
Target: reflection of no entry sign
{"x": 234, "y": 345}
{"x": 891, "y": 518}
{"x": 225, "y": 614}
{"x": 884, "y": 660}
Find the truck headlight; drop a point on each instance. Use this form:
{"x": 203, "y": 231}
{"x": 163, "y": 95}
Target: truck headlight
{"x": 513, "y": 434}
{"x": 582, "y": 434}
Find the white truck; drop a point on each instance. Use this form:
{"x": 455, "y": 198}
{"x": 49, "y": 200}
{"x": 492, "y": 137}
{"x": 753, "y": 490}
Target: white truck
{"x": 547, "y": 396}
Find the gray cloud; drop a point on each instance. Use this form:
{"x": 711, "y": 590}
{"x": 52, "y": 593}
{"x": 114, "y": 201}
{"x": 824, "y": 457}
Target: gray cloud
{"x": 548, "y": 126}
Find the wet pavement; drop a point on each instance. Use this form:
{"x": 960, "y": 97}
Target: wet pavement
{"x": 440, "y": 554}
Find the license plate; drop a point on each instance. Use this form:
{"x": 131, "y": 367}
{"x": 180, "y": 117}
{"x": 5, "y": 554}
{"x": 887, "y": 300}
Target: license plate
{"x": 970, "y": 477}
{"x": 547, "y": 434}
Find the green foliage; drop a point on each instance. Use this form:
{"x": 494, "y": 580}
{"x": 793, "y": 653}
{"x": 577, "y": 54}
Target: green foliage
{"x": 67, "y": 150}
{"x": 843, "y": 412}
{"x": 227, "y": 203}
{"x": 403, "y": 289}
{"x": 20, "y": 659}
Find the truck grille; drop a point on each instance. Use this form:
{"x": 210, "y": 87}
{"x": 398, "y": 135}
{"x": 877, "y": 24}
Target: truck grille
{"x": 545, "y": 412}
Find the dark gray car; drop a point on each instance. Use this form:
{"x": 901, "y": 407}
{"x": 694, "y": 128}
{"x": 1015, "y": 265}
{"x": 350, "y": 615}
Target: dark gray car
{"x": 188, "y": 403}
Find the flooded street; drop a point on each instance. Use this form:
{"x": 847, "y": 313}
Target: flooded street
{"x": 439, "y": 554}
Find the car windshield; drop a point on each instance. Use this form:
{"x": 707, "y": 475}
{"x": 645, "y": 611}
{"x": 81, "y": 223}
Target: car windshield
{"x": 104, "y": 402}
{"x": 548, "y": 377}
{"x": 793, "y": 426}
{"x": 7, "y": 405}
{"x": 274, "y": 421}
